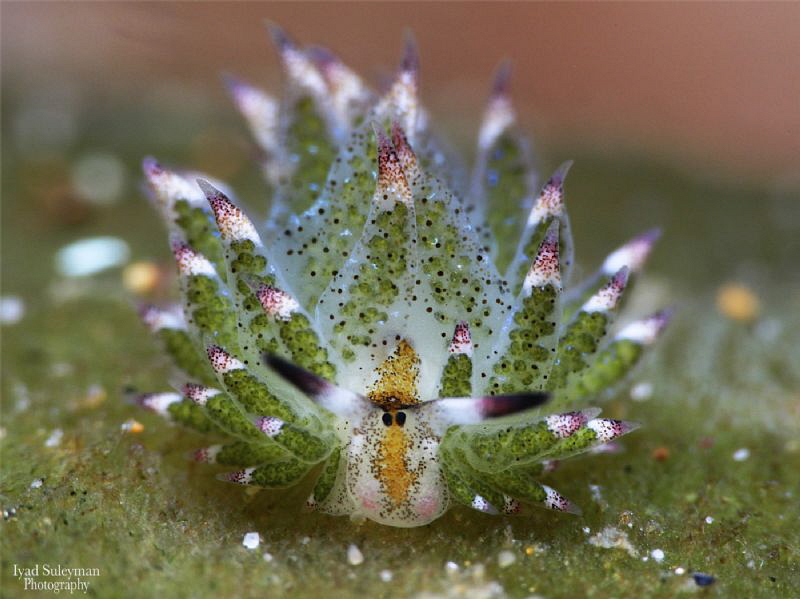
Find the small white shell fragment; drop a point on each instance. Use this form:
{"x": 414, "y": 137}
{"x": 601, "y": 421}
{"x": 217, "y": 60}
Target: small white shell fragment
{"x": 267, "y": 556}
{"x": 709, "y": 520}
{"x": 658, "y": 555}
{"x": 451, "y": 567}
{"x": 386, "y": 575}
{"x": 740, "y": 455}
{"x": 36, "y": 483}
{"x": 505, "y": 558}
{"x": 54, "y": 440}
{"x": 680, "y": 571}
{"x": 91, "y": 255}
{"x": 251, "y": 540}
{"x": 354, "y": 556}
{"x": 12, "y": 309}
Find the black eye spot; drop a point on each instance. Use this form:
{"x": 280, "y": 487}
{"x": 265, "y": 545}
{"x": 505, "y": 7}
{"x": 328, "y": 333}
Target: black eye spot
{"x": 401, "y": 418}
{"x": 387, "y": 419}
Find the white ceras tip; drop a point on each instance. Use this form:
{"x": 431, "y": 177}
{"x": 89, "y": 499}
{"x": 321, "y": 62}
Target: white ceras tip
{"x": 633, "y": 254}
{"x": 254, "y": 103}
{"x": 401, "y": 102}
{"x": 311, "y": 502}
{"x": 222, "y": 361}
{"x": 499, "y": 116}
{"x": 270, "y": 426}
{"x": 564, "y": 425}
{"x": 545, "y": 269}
{"x": 199, "y": 394}
{"x": 277, "y": 303}
{"x": 556, "y": 501}
{"x": 190, "y": 262}
{"x": 511, "y": 505}
{"x": 169, "y": 186}
{"x": 391, "y": 178}
{"x": 259, "y": 109}
{"x": 301, "y": 70}
{"x": 462, "y": 340}
{"x": 608, "y": 429}
{"x": 207, "y": 455}
{"x": 607, "y": 297}
{"x": 346, "y": 89}
{"x": 551, "y": 199}
{"x": 647, "y": 330}
{"x": 482, "y": 505}
{"x": 158, "y": 402}
{"x": 242, "y": 477}
{"x": 232, "y": 223}
{"x": 156, "y": 319}
{"x": 405, "y": 154}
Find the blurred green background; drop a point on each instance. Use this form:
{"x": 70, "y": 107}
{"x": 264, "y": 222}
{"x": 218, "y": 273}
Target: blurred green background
{"x": 683, "y": 116}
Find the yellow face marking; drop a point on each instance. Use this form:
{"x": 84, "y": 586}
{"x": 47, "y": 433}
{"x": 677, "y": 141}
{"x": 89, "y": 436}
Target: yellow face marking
{"x": 397, "y": 378}
{"x": 390, "y": 462}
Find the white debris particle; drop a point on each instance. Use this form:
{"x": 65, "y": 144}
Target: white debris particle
{"x": 251, "y": 540}
{"x": 505, "y": 558}
{"x": 680, "y": 571}
{"x": 642, "y": 391}
{"x": 451, "y": 567}
{"x": 657, "y": 555}
{"x": 354, "y": 556}
{"x": 267, "y": 556}
{"x": 54, "y": 440}
{"x": 597, "y": 495}
{"x": 613, "y": 538}
{"x": 586, "y": 530}
{"x": 91, "y": 255}
{"x": 709, "y": 520}
{"x": 386, "y": 575}
{"x": 740, "y": 455}
{"x": 12, "y": 309}
{"x": 37, "y": 483}
{"x": 305, "y": 540}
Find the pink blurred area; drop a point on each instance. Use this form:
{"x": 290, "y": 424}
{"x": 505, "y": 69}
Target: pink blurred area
{"x": 714, "y": 84}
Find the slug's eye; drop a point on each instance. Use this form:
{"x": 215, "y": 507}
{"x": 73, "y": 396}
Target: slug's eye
{"x": 400, "y": 418}
{"x": 387, "y": 419}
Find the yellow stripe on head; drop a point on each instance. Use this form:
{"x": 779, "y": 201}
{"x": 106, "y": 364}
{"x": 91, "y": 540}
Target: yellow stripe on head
{"x": 397, "y": 379}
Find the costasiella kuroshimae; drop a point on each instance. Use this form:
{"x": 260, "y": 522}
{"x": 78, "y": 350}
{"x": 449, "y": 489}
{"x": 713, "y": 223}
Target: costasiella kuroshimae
{"x": 378, "y": 334}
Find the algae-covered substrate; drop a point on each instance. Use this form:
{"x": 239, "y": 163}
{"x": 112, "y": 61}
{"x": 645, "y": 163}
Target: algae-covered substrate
{"x": 704, "y": 498}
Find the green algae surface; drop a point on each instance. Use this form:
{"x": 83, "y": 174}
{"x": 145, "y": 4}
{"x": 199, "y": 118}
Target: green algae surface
{"x": 709, "y": 484}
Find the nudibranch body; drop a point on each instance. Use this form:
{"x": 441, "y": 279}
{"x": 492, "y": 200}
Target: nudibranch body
{"x": 379, "y": 333}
